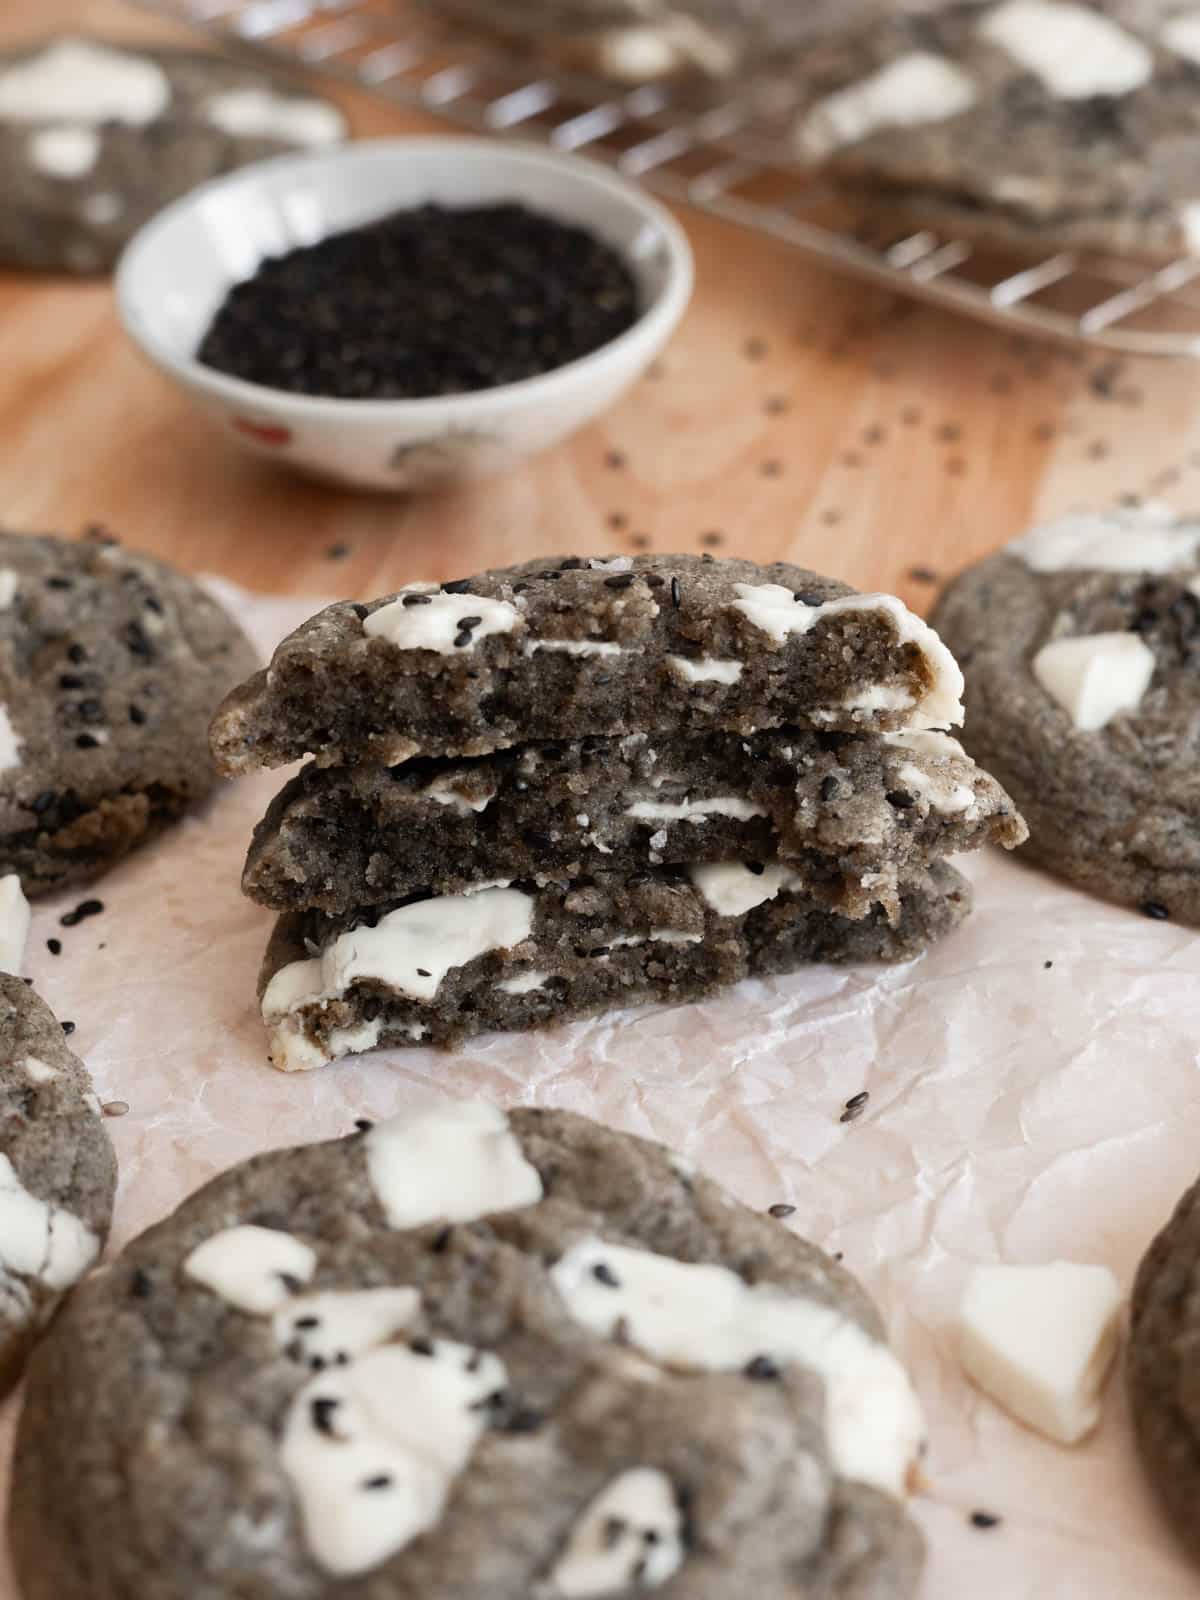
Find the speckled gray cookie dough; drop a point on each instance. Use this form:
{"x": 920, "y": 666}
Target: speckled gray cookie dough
{"x": 110, "y": 666}
{"x": 1161, "y": 1366}
{"x": 439, "y": 969}
{"x": 1080, "y": 644}
{"x": 57, "y": 1171}
{"x": 96, "y": 136}
{"x": 564, "y": 648}
{"x": 851, "y": 813}
{"x": 1045, "y": 121}
{"x": 466, "y": 1355}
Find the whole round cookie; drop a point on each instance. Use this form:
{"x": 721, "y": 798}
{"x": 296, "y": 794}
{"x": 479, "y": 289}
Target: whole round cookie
{"x": 1163, "y": 1369}
{"x": 57, "y": 1172}
{"x": 110, "y": 666}
{"x": 459, "y": 1354}
{"x": 1080, "y": 644}
{"x": 95, "y": 137}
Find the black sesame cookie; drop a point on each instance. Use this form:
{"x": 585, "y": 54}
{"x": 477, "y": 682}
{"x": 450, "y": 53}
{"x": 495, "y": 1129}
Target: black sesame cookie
{"x": 1043, "y": 121}
{"x": 58, "y": 1172}
{"x": 561, "y": 649}
{"x": 97, "y": 136}
{"x": 110, "y": 665}
{"x": 850, "y": 812}
{"x": 637, "y": 41}
{"x": 1081, "y": 644}
{"x": 1162, "y": 1366}
{"x": 459, "y": 1354}
{"x": 437, "y": 969}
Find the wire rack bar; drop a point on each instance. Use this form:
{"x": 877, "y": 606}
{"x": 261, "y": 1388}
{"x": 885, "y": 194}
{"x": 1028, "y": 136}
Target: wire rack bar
{"x": 728, "y": 159}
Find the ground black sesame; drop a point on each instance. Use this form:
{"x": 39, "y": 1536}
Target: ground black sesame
{"x": 428, "y": 301}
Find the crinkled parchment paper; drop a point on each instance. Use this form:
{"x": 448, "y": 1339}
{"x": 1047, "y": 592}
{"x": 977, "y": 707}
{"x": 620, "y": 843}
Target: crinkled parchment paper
{"x": 1034, "y": 1092}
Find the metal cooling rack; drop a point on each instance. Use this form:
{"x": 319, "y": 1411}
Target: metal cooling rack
{"x": 724, "y": 158}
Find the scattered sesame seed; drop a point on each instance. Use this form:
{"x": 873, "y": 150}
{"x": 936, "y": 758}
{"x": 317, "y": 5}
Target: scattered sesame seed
{"x": 984, "y": 1519}
{"x": 676, "y": 593}
{"x": 1155, "y": 910}
{"x": 68, "y": 1029}
{"x": 416, "y": 600}
{"x": 115, "y": 1108}
{"x": 604, "y": 1274}
{"x": 86, "y": 741}
{"x": 762, "y": 1369}
{"x": 615, "y": 459}
{"x": 781, "y": 1210}
{"x": 337, "y": 552}
{"x": 853, "y": 1111}
{"x": 323, "y": 1408}
{"x": 382, "y": 1480}
{"x": 85, "y": 909}
{"x": 622, "y": 580}
{"x": 922, "y": 575}
{"x": 54, "y": 946}
{"x": 859, "y": 1099}
{"x": 900, "y": 799}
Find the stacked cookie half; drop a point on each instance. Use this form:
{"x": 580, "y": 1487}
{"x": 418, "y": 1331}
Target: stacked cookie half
{"x": 579, "y": 783}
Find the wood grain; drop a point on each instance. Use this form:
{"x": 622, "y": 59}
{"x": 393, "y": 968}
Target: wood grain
{"x": 797, "y": 414}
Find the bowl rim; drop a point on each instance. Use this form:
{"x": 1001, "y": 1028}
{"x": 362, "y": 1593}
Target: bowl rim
{"x": 652, "y": 327}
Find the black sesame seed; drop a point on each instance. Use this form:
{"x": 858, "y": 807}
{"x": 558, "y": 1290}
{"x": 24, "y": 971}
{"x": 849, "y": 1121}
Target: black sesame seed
{"x": 614, "y": 1531}
{"x": 459, "y": 586}
{"x": 467, "y": 623}
{"x": 604, "y": 1274}
{"x": 859, "y": 1099}
{"x": 422, "y": 1347}
{"x": 323, "y": 1409}
{"x": 153, "y": 603}
{"x": 70, "y": 680}
{"x": 137, "y": 716}
{"x": 463, "y": 639}
{"x": 621, "y": 580}
{"x": 781, "y": 1210}
{"x": 852, "y": 1111}
{"x": 423, "y": 972}
{"x": 984, "y": 1519}
{"x": 441, "y": 1240}
{"x": 317, "y": 1363}
{"x": 756, "y": 867}
{"x": 360, "y": 612}
{"x": 363, "y": 1124}
{"x": 524, "y": 1420}
{"x": 137, "y": 641}
{"x": 91, "y": 710}
{"x": 900, "y": 799}
{"x": 382, "y": 1480}
{"x": 762, "y": 1369}
{"x": 60, "y": 583}
{"x": 1155, "y": 910}
{"x": 76, "y": 654}
{"x": 417, "y": 600}
{"x": 675, "y": 593}
{"x": 86, "y": 741}
{"x": 68, "y": 1029}
{"x": 290, "y": 1282}
{"x": 305, "y": 1324}
{"x": 141, "y": 1285}
{"x": 85, "y": 909}
{"x": 829, "y": 787}
{"x": 653, "y": 580}
{"x": 42, "y": 802}
{"x": 54, "y": 946}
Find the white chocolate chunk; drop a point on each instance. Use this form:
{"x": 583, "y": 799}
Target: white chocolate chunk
{"x": 38, "y": 1071}
{"x": 9, "y": 584}
{"x": 14, "y": 924}
{"x": 523, "y": 983}
{"x": 925, "y": 742}
{"x": 725, "y": 805}
{"x": 331, "y": 1328}
{"x": 74, "y": 81}
{"x": 249, "y": 1267}
{"x": 39, "y": 1240}
{"x": 630, "y": 1537}
{"x": 259, "y": 114}
{"x": 938, "y": 788}
{"x": 65, "y": 151}
{"x": 707, "y": 670}
{"x": 574, "y": 647}
{"x": 1076, "y": 52}
{"x": 372, "y": 1450}
{"x": 436, "y": 624}
{"x": 776, "y": 612}
{"x": 1182, "y": 34}
{"x": 1096, "y": 677}
{"x": 732, "y": 889}
{"x": 453, "y": 1163}
{"x": 706, "y": 1318}
{"x": 442, "y": 791}
{"x": 10, "y": 745}
{"x": 1149, "y": 538}
{"x": 914, "y": 89}
{"x": 1039, "y": 1340}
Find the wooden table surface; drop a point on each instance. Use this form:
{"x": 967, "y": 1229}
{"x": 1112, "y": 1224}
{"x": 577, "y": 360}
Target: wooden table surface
{"x": 797, "y": 415}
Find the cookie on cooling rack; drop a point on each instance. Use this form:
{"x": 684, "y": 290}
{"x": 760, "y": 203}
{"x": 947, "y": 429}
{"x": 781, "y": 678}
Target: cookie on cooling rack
{"x": 97, "y": 136}
{"x": 459, "y": 1354}
{"x": 1041, "y": 122}
{"x": 1080, "y": 644}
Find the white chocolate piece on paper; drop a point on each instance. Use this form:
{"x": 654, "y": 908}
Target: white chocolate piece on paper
{"x": 1040, "y": 1340}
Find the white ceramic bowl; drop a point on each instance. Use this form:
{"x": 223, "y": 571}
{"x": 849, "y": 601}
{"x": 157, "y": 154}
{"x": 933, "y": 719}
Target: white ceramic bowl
{"x": 176, "y": 272}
